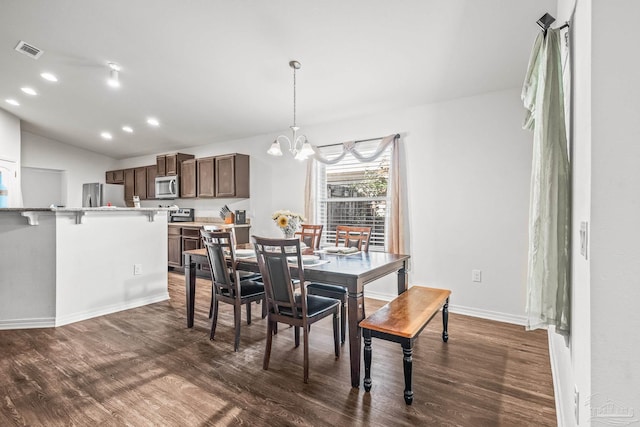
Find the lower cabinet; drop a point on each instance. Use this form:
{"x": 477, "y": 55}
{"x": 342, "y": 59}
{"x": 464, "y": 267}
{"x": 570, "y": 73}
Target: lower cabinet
{"x": 175, "y": 246}
{"x": 185, "y": 238}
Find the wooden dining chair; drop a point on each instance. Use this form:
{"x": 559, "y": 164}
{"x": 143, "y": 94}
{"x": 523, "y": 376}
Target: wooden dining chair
{"x": 244, "y": 275}
{"x": 285, "y": 304}
{"x": 310, "y": 235}
{"x": 228, "y": 286}
{"x": 351, "y": 237}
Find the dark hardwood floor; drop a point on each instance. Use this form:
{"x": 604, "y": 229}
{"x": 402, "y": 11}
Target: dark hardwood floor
{"x": 143, "y": 367}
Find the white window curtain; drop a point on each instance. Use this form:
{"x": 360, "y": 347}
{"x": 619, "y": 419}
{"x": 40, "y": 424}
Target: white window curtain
{"x": 549, "y": 215}
{"x": 395, "y": 222}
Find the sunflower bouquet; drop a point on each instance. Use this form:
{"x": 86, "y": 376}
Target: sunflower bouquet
{"x": 287, "y": 221}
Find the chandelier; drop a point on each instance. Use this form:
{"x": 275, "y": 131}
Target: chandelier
{"x": 299, "y": 146}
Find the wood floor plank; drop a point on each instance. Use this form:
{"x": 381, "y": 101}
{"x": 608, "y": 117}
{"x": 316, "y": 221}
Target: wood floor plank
{"x": 143, "y": 367}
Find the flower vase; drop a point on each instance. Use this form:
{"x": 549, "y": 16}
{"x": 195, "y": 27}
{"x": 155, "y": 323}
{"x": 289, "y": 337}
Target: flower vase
{"x": 288, "y": 233}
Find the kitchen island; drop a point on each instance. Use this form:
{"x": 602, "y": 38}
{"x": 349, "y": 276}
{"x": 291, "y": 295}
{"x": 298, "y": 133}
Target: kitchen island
{"x": 63, "y": 265}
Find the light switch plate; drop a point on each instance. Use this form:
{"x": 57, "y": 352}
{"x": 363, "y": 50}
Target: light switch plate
{"x": 584, "y": 239}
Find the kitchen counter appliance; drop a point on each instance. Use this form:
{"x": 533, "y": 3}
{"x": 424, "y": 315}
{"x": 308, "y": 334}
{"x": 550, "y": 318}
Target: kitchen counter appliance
{"x": 181, "y": 215}
{"x": 96, "y": 195}
{"x": 167, "y": 187}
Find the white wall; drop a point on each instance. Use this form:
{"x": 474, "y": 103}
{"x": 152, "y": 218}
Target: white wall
{"x": 615, "y": 204}
{"x": 43, "y": 187}
{"x": 468, "y": 169}
{"x": 9, "y": 137}
{"x": 81, "y": 166}
{"x": 571, "y": 361}
{"x": 10, "y": 156}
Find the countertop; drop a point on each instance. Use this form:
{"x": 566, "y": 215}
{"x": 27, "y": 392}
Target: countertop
{"x": 100, "y": 209}
{"x": 201, "y": 223}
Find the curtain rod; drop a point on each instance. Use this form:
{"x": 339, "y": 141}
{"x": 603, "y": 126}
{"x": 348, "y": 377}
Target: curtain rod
{"x": 397, "y": 135}
{"x": 546, "y": 20}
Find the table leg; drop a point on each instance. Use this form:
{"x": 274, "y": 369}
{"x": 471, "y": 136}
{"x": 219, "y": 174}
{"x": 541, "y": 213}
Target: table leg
{"x": 355, "y": 314}
{"x": 190, "y": 287}
{"x": 403, "y": 279}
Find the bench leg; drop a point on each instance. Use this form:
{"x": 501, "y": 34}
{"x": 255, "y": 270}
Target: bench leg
{"x": 367, "y": 359}
{"x": 445, "y": 321}
{"x": 407, "y": 351}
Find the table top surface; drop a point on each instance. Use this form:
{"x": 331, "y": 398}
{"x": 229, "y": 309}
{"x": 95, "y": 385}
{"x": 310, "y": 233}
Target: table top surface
{"x": 355, "y": 264}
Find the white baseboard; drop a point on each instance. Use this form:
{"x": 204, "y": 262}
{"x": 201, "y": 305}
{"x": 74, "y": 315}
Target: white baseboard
{"x": 77, "y": 317}
{"x": 558, "y": 392}
{"x": 51, "y": 322}
{"x": 488, "y": 314}
{"x": 35, "y": 323}
{"x": 468, "y": 311}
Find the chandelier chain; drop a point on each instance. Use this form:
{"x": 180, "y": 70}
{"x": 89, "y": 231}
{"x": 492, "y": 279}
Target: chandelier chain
{"x": 294, "y": 96}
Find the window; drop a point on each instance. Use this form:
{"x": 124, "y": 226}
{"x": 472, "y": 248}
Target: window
{"x": 354, "y": 193}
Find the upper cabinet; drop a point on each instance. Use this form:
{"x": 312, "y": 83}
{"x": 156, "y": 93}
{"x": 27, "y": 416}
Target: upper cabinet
{"x": 114, "y": 177}
{"x": 188, "y": 179}
{"x": 206, "y": 178}
{"x": 171, "y": 164}
{"x": 129, "y": 186}
{"x": 152, "y": 172}
{"x": 140, "y": 187}
{"x": 224, "y": 176}
{"x": 232, "y": 175}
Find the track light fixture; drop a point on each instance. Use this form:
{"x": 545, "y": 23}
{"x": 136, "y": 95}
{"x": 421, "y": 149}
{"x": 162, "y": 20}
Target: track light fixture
{"x": 114, "y": 75}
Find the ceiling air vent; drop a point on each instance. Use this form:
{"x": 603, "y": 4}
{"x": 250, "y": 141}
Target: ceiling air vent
{"x": 29, "y": 50}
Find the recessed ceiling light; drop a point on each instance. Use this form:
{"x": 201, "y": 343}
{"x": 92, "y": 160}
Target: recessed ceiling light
{"x": 152, "y": 121}
{"x": 28, "y": 91}
{"x": 49, "y": 76}
{"x": 106, "y": 135}
{"x": 127, "y": 129}
{"x": 12, "y": 102}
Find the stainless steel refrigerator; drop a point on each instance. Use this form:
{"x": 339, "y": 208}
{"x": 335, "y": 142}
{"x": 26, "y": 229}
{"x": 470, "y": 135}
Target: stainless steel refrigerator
{"x": 96, "y": 194}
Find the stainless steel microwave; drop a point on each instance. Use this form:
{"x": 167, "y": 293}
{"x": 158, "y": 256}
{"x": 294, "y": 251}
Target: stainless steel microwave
{"x": 167, "y": 187}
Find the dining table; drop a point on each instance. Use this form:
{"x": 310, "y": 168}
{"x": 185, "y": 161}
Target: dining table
{"x": 353, "y": 271}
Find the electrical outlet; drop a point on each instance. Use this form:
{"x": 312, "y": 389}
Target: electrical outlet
{"x": 476, "y": 275}
{"x": 576, "y": 404}
{"x": 137, "y": 269}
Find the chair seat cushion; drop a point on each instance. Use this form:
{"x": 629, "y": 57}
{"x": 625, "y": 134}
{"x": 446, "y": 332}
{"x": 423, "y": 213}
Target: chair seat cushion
{"x": 246, "y": 275}
{"x": 315, "y": 305}
{"x": 249, "y": 287}
{"x": 328, "y": 288}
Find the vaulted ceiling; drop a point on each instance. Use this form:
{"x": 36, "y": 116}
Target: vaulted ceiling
{"x": 217, "y": 70}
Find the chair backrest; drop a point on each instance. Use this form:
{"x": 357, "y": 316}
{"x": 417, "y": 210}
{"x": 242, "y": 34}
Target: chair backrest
{"x": 353, "y": 237}
{"x": 216, "y": 227}
{"x": 219, "y": 245}
{"x": 273, "y": 260}
{"x": 310, "y": 235}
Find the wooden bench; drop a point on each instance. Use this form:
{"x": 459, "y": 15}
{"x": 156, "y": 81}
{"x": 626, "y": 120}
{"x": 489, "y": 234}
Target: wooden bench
{"x": 401, "y": 321}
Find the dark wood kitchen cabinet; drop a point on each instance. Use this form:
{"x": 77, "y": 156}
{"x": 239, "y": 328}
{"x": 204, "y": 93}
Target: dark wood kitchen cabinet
{"x": 129, "y": 186}
{"x": 206, "y": 177}
{"x": 114, "y": 177}
{"x": 232, "y": 175}
{"x": 151, "y": 181}
{"x": 171, "y": 164}
{"x": 175, "y": 246}
{"x": 188, "y": 179}
{"x": 140, "y": 185}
